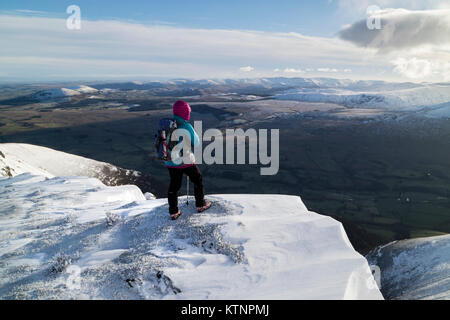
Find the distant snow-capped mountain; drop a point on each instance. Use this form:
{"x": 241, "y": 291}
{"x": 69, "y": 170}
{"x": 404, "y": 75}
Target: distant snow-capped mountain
{"x": 350, "y": 93}
{"x": 269, "y": 83}
{"x": 63, "y": 92}
{"x": 393, "y": 97}
{"x": 414, "y": 269}
{"x": 273, "y": 82}
{"x": 18, "y": 158}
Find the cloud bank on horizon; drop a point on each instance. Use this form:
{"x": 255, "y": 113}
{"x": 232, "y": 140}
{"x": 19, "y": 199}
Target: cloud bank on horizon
{"x": 417, "y": 43}
{"x": 412, "y": 45}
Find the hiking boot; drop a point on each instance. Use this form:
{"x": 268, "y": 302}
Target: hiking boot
{"x": 174, "y": 216}
{"x": 205, "y": 207}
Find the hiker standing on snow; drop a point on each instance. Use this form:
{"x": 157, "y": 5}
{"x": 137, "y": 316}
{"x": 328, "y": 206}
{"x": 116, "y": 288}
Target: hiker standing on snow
{"x": 182, "y": 113}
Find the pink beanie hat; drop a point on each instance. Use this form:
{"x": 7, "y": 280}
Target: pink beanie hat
{"x": 182, "y": 109}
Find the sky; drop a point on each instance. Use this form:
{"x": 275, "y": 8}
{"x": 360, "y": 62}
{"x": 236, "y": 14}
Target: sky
{"x": 263, "y": 15}
{"x": 144, "y": 40}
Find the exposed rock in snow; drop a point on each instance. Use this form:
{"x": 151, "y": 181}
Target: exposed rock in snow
{"x": 414, "y": 269}
{"x": 73, "y": 237}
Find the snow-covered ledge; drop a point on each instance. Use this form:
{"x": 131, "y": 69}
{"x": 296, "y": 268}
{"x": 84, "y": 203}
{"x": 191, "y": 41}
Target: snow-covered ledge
{"x": 73, "y": 237}
{"x": 290, "y": 253}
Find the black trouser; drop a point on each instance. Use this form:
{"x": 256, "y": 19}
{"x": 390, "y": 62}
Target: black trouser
{"x": 176, "y": 179}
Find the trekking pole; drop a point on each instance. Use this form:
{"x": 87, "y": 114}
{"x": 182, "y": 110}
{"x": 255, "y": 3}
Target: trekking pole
{"x": 187, "y": 190}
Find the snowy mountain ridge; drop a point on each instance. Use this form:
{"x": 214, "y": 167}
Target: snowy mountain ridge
{"x": 17, "y": 158}
{"x": 405, "y": 96}
{"x": 397, "y": 99}
{"x": 63, "y": 92}
{"x": 22, "y": 158}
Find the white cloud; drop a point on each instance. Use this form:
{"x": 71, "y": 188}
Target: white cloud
{"x": 357, "y": 8}
{"x": 246, "y": 69}
{"x": 293, "y": 70}
{"x": 26, "y": 11}
{"x": 402, "y": 29}
{"x": 327, "y": 70}
{"x": 416, "y": 43}
{"x": 39, "y": 46}
{"x": 413, "y": 68}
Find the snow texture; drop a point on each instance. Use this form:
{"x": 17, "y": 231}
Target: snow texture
{"x": 75, "y": 238}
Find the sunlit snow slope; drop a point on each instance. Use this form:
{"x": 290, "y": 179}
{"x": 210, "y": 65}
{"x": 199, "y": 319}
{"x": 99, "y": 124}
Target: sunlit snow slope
{"x": 17, "y": 158}
{"x": 73, "y": 237}
{"x": 21, "y": 158}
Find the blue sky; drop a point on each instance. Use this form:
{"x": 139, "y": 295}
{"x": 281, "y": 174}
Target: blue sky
{"x": 143, "y": 40}
{"x": 316, "y": 18}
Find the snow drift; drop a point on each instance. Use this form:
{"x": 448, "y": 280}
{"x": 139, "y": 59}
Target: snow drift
{"x": 75, "y": 238}
{"x": 415, "y": 269}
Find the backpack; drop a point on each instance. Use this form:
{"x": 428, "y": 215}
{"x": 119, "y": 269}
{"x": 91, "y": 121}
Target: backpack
{"x": 163, "y": 143}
